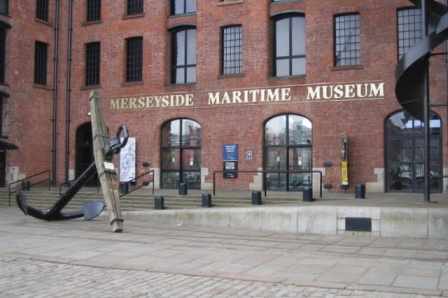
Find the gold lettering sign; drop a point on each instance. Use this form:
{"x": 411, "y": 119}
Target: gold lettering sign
{"x": 279, "y": 95}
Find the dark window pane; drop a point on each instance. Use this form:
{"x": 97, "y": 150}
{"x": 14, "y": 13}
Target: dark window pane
{"x": 93, "y": 10}
{"x": 42, "y": 10}
{"x": 92, "y": 64}
{"x": 40, "y": 63}
{"x": 2, "y": 54}
{"x": 4, "y": 7}
{"x": 347, "y": 40}
{"x": 134, "y": 59}
{"x": 135, "y": 7}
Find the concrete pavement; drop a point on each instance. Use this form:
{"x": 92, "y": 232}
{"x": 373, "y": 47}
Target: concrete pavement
{"x": 152, "y": 259}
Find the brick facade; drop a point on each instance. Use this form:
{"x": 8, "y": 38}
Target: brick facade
{"x": 30, "y": 110}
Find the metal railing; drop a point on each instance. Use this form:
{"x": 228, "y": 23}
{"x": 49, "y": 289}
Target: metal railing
{"x": 144, "y": 183}
{"x": 28, "y": 179}
{"x": 264, "y": 177}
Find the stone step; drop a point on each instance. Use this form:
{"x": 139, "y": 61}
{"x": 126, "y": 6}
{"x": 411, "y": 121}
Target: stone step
{"x": 44, "y": 199}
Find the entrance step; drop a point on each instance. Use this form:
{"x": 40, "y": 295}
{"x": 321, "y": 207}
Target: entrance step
{"x": 41, "y": 198}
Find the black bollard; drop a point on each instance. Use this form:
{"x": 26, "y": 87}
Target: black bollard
{"x": 307, "y": 194}
{"x": 206, "y": 200}
{"x": 182, "y": 189}
{"x": 360, "y": 191}
{"x": 256, "y": 198}
{"x": 159, "y": 203}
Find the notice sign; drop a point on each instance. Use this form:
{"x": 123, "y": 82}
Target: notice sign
{"x": 230, "y": 152}
{"x": 127, "y": 161}
{"x": 230, "y": 160}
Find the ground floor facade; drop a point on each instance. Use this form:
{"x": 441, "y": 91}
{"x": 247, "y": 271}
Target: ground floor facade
{"x": 238, "y": 95}
{"x": 282, "y": 138}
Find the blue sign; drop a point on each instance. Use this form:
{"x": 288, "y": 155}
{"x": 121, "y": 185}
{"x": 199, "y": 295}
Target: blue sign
{"x": 249, "y": 155}
{"x": 229, "y": 152}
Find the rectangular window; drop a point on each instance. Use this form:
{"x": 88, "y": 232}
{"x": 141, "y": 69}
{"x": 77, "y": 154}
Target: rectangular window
{"x": 4, "y": 7}
{"x": 2, "y": 54}
{"x": 93, "y": 59}
{"x": 42, "y": 10}
{"x": 93, "y": 10}
{"x": 183, "y": 6}
{"x": 40, "y": 63}
{"x": 135, "y": 7}
{"x": 409, "y": 29}
{"x": 232, "y": 50}
{"x": 347, "y": 40}
{"x": 134, "y": 59}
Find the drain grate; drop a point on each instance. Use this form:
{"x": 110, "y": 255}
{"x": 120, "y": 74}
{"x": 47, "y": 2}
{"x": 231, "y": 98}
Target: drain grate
{"x": 358, "y": 224}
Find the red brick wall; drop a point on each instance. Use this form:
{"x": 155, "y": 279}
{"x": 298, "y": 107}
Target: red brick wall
{"x": 241, "y": 124}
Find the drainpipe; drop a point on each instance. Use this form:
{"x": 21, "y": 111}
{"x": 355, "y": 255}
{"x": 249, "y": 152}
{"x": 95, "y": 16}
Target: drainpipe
{"x": 446, "y": 74}
{"x": 55, "y": 93}
{"x": 427, "y": 172}
{"x": 68, "y": 92}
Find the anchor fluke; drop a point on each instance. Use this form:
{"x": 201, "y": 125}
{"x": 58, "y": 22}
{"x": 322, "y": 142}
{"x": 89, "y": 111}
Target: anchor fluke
{"x": 92, "y": 209}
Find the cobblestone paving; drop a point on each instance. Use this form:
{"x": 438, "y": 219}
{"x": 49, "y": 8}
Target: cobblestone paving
{"x": 29, "y": 278}
{"x": 84, "y": 259}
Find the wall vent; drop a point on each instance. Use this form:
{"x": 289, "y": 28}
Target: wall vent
{"x": 358, "y": 224}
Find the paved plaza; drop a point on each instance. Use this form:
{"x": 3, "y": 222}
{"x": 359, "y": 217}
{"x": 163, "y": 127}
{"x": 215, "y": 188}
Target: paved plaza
{"x": 78, "y": 258}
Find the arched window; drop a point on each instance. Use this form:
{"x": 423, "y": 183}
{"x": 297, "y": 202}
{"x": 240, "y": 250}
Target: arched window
{"x": 288, "y": 142}
{"x": 289, "y": 45}
{"x": 183, "y": 56}
{"x": 405, "y": 153}
{"x": 181, "y": 154}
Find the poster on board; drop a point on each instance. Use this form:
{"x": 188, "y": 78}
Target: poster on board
{"x": 127, "y": 161}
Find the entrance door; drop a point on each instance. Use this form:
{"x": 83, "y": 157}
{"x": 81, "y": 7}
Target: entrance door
{"x": 84, "y": 152}
{"x": 181, "y": 154}
{"x": 288, "y": 153}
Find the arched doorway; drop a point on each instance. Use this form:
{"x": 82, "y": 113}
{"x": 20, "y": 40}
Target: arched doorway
{"x": 288, "y": 143}
{"x": 405, "y": 155}
{"x": 181, "y": 154}
{"x": 84, "y": 152}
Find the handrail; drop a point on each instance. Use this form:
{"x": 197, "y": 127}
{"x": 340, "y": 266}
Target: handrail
{"x": 143, "y": 183}
{"x": 263, "y": 171}
{"x": 62, "y": 184}
{"x": 27, "y": 178}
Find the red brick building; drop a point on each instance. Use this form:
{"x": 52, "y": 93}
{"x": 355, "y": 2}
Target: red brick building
{"x": 253, "y": 85}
